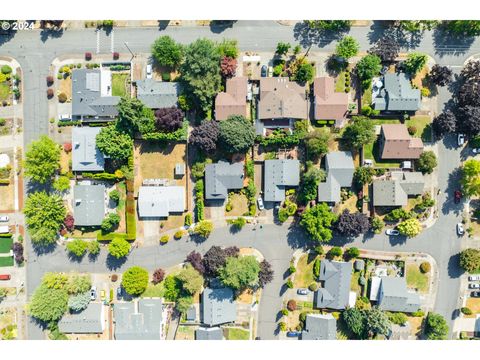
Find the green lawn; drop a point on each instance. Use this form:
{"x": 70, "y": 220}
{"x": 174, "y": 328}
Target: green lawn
{"x": 370, "y": 151}
{"x": 340, "y": 82}
{"x": 304, "y": 274}
{"x": 367, "y": 96}
{"x": 237, "y": 334}
{"x": 416, "y": 279}
{"x": 119, "y": 85}
{"x": 4, "y": 91}
{"x": 423, "y": 125}
{"x": 6, "y": 245}
{"x": 6, "y": 261}
{"x": 154, "y": 290}
{"x": 354, "y": 286}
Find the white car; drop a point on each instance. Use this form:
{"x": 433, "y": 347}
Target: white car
{"x": 260, "y": 204}
{"x": 474, "y": 286}
{"x": 460, "y": 229}
{"x": 392, "y": 232}
{"x": 461, "y": 139}
{"x": 476, "y": 150}
{"x": 270, "y": 71}
{"x": 93, "y": 293}
{"x": 474, "y": 278}
{"x": 149, "y": 71}
{"x": 64, "y": 117}
{"x": 4, "y": 218}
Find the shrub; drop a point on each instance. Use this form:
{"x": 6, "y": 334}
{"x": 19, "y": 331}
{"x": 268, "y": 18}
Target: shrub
{"x": 282, "y": 215}
{"x": 425, "y": 267}
{"x": 313, "y": 286}
{"x": 412, "y": 130}
{"x": 50, "y": 93}
{"x": 466, "y": 311}
{"x": 165, "y": 76}
{"x": 284, "y": 312}
{"x": 114, "y": 278}
{"x": 67, "y": 147}
{"x": 418, "y": 313}
{"x": 135, "y": 280}
{"x": 116, "y": 55}
{"x": 6, "y": 69}
{"x": 62, "y": 97}
{"x": 238, "y": 223}
{"x": 158, "y": 276}
{"x": 398, "y": 318}
{"x": 425, "y": 92}
{"x": 282, "y": 326}
{"x": 164, "y": 239}
{"x": 119, "y": 247}
{"x": 179, "y": 234}
{"x": 110, "y": 222}
{"x": 352, "y": 253}
{"x": 77, "y": 247}
{"x": 292, "y": 269}
{"x": 289, "y": 283}
{"x": 114, "y": 195}
{"x": 319, "y": 250}
{"x": 188, "y": 219}
{"x": 88, "y": 56}
{"x": 49, "y": 80}
{"x": 291, "y": 305}
{"x": 335, "y": 251}
{"x": 316, "y": 268}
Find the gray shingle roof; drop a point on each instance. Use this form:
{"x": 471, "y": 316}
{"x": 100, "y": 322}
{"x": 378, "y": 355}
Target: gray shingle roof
{"x": 336, "y": 284}
{"x": 87, "y": 98}
{"x": 85, "y": 154}
{"x": 89, "y": 321}
{"x": 412, "y": 182}
{"x": 221, "y": 177}
{"x": 138, "y": 320}
{"x": 218, "y": 306}
{"x": 89, "y": 204}
{"x": 214, "y": 333}
{"x": 340, "y": 168}
{"x": 320, "y": 327}
{"x": 394, "y": 296}
{"x": 158, "y": 94}
{"x": 397, "y": 94}
{"x": 279, "y": 174}
{"x": 160, "y": 201}
{"x": 395, "y": 192}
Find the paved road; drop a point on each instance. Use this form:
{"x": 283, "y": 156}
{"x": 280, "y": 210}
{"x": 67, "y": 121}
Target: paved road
{"x": 35, "y": 54}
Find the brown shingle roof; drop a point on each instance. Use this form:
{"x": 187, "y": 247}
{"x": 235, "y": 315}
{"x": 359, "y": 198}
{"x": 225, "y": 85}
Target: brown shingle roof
{"x": 329, "y": 105}
{"x": 281, "y": 98}
{"x": 234, "y": 100}
{"x": 398, "y": 144}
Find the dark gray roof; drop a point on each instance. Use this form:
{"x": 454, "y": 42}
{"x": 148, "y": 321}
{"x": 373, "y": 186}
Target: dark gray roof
{"x": 394, "y": 296}
{"x": 397, "y": 94}
{"x": 191, "y": 313}
{"x": 138, "y": 320}
{"x": 336, "y": 278}
{"x": 279, "y": 174}
{"x": 412, "y": 182}
{"x": 218, "y": 306}
{"x": 320, "y": 327}
{"x": 158, "y": 94}
{"x": 89, "y": 204}
{"x": 87, "y": 97}
{"x": 89, "y": 321}
{"x": 85, "y": 154}
{"x": 221, "y": 177}
{"x": 340, "y": 168}
{"x": 214, "y": 333}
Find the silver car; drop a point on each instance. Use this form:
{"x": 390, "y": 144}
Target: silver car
{"x": 460, "y": 229}
{"x": 260, "y": 203}
{"x": 392, "y": 232}
{"x": 93, "y": 293}
{"x": 4, "y": 218}
{"x": 302, "y": 292}
{"x": 474, "y": 278}
{"x": 474, "y": 286}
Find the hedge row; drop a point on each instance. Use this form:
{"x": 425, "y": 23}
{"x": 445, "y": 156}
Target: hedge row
{"x": 178, "y": 135}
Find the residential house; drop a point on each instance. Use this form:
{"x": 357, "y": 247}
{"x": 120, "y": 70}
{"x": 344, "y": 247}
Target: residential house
{"x": 138, "y": 320}
{"x": 400, "y": 332}
{"x": 92, "y": 98}
{"x": 320, "y": 327}
{"x": 396, "y": 143}
{"x": 89, "y": 204}
{"x": 234, "y": 100}
{"x": 396, "y": 190}
{"x": 158, "y": 94}
{"x": 218, "y": 306}
{"x": 213, "y": 333}
{"x": 391, "y": 294}
{"x": 278, "y": 175}
{"x": 91, "y": 320}
{"x": 340, "y": 168}
{"x": 281, "y": 102}
{"x": 222, "y": 177}
{"x": 335, "y": 292}
{"x": 160, "y": 201}
{"x": 85, "y": 154}
{"x": 329, "y": 104}
{"x": 394, "y": 93}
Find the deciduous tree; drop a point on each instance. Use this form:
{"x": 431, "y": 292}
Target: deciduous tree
{"x": 240, "y": 272}
{"x": 470, "y": 259}
{"x": 368, "y": 67}
{"x": 415, "y": 62}
{"x": 265, "y": 275}
{"x": 363, "y": 175}
{"x": 204, "y": 228}
{"x": 167, "y": 52}
{"x": 79, "y": 302}
{"x": 169, "y": 119}
{"x": 317, "y": 142}
{"x": 410, "y": 227}
{"x": 463, "y": 27}
{"x": 119, "y": 247}
{"x": 228, "y": 67}
{"x": 61, "y": 184}
{"x": 195, "y": 258}
{"x": 377, "y": 322}
{"x": 158, "y": 276}
{"x": 427, "y": 162}
{"x": 360, "y": 132}
{"x": 318, "y": 221}
{"x": 355, "y": 321}
{"x": 192, "y": 280}
{"x": 205, "y": 136}
{"x": 440, "y": 75}
{"x": 436, "y": 327}
{"x": 135, "y": 280}
{"x": 386, "y": 48}
{"x": 347, "y": 47}
{"x": 115, "y": 144}
{"x": 309, "y": 183}
{"x": 352, "y": 224}
{"x": 445, "y": 123}
{"x": 471, "y": 177}
{"x": 237, "y": 134}
{"x": 77, "y": 247}
{"x": 48, "y": 304}
{"x": 42, "y": 159}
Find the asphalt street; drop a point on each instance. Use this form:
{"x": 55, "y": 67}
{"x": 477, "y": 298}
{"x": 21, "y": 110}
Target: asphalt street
{"x": 35, "y": 52}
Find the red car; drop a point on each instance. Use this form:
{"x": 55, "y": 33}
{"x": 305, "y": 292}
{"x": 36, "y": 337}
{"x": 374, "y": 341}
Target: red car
{"x": 458, "y": 196}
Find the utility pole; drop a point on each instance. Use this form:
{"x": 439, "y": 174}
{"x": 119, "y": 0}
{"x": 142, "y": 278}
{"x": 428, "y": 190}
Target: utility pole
{"x": 131, "y": 52}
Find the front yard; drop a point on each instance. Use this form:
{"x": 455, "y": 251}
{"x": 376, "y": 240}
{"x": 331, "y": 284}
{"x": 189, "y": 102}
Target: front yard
{"x": 236, "y": 334}
{"x": 185, "y": 333}
{"x": 370, "y": 151}
{"x": 121, "y": 84}
{"x": 5, "y": 245}
{"x": 416, "y": 279}
{"x": 304, "y": 274}
{"x": 238, "y": 205}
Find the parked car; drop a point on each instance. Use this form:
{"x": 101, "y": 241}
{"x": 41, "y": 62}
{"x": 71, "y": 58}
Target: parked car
{"x": 260, "y": 203}
{"x": 93, "y": 293}
{"x": 460, "y": 229}
{"x": 457, "y": 196}
{"x": 263, "y": 71}
{"x": 302, "y": 292}
{"x": 64, "y": 117}
{"x": 102, "y": 295}
{"x": 4, "y": 276}
{"x": 270, "y": 71}
{"x": 474, "y": 278}
{"x": 392, "y": 232}
{"x": 461, "y": 139}
{"x": 475, "y": 294}
{"x": 474, "y": 286}
{"x": 293, "y": 333}
{"x": 149, "y": 71}
{"x": 4, "y": 218}
{"x": 476, "y": 150}
{"x": 119, "y": 292}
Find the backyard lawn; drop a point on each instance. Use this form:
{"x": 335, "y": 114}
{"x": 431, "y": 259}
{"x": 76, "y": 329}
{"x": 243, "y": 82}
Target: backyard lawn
{"x": 239, "y": 203}
{"x": 416, "y": 279}
{"x": 185, "y": 333}
{"x": 154, "y": 290}
{"x": 120, "y": 84}
{"x": 6, "y": 245}
{"x": 6, "y": 261}
{"x": 354, "y": 286}
{"x": 4, "y": 91}
{"x": 304, "y": 274}
{"x": 237, "y": 334}
{"x": 340, "y": 82}
{"x": 370, "y": 151}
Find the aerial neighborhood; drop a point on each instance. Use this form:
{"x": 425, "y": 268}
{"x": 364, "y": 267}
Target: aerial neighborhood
{"x": 212, "y": 190}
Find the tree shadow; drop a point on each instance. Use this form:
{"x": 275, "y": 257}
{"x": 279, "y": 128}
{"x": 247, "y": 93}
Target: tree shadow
{"x": 41, "y": 249}
{"x": 114, "y": 263}
{"x": 279, "y": 316}
{"x": 307, "y": 36}
{"x": 449, "y": 204}
{"x": 397, "y": 240}
{"x": 4, "y": 38}
{"x": 283, "y": 290}
{"x": 45, "y": 34}
{"x": 297, "y": 239}
{"x": 387, "y": 28}
{"x": 454, "y": 269}
{"x": 445, "y": 43}
{"x": 74, "y": 258}
{"x": 286, "y": 274}
{"x": 219, "y": 26}
{"x": 162, "y": 24}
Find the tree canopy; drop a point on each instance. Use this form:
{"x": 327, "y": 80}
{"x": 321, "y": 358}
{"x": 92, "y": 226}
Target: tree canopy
{"x": 135, "y": 280}
{"x": 317, "y": 142}
{"x": 427, "y": 162}
{"x": 169, "y": 119}
{"x": 352, "y": 224}
{"x": 444, "y": 123}
{"x": 77, "y": 247}
{"x": 79, "y": 302}
{"x": 42, "y": 159}
{"x": 355, "y": 321}
{"x": 415, "y": 62}
{"x": 167, "y": 52}
{"x": 203, "y": 228}
{"x": 317, "y": 222}
{"x": 377, "y": 322}
{"x": 309, "y": 183}
{"x": 115, "y": 144}
{"x": 305, "y": 73}
{"x": 61, "y": 184}
{"x": 470, "y": 259}
{"x": 347, "y": 47}
{"x": 265, "y": 275}
{"x": 205, "y": 135}
{"x": 48, "y": 304}
{"x": 440, "y": 75}
{"x": 192, "y": 280}
{"x": 470, "y": 179}
{"x": 363, "y": 175}
{"x": 360, "y": 132}
{"x": 368, "y": 67}
{"x": 329, "y": 25}
{"x": 216, "y": 257}
{"x": 410, "y": 227}
{"x": 240, "y": 272}
{"x": 436, "y": 327}
{"x": 237, "y": 134}
{"x": 463, "y": 27}
{"x": 119, "y": 247}
{"x": 386, "y": 48}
